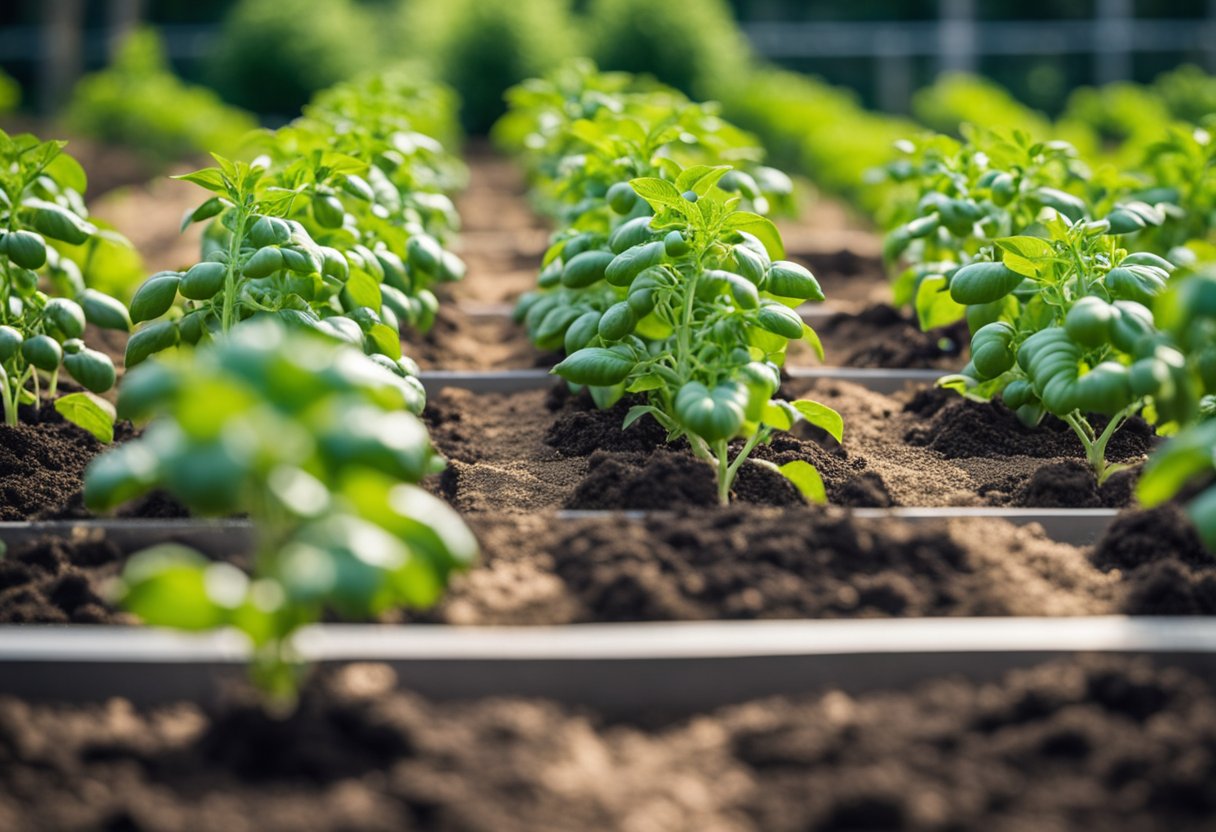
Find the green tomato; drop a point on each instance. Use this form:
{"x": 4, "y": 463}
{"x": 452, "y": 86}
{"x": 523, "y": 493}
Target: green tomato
{"x": 635, "y": 232}
{"x": 424, "y": 254}
{"x": 1017, "y": 394}
{"x": 580, "y": 333}
{"x": 149, "y": 340}
{"x": 104, "y": 311}
{"x": 585, "y": 269}
{"x": 10, "y": 342}
{"x": 983, "y": 283}
{"x": 675, "y": 245}
{"x": 92, "y": 369}
{"x": 156, "y": 295}
{"x": 203, "y": 281}
{"x": 631, "y": 262}
{"x": 787, "y": 279}
{"x": 26, "y": 249}
{"x": 328, "y": 211}
{"x": 621, "y": 197}
{"x": 263, "y": 262}
{"x": 617, "y": 322}
{"x": 43, "y": 352}
{"x": 66, "y": 316}
{"x": 779, "y": 320}
{"x": 596, "y": 366}
{"x": 992, "y": 349}
{"x": 1089, "y": 321}
{"x": 712, "y": 415}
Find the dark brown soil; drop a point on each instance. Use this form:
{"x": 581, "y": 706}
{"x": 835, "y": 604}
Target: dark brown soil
{"x": 1120, "y": 745}
{"x": 537, "y": 450}
{"x": 743, "y": 562}
{"x": 57, "y": 581}
{"x": 42, "y": 463}
{"x": 42, "y": 460}
{"x": 882, "y": 336}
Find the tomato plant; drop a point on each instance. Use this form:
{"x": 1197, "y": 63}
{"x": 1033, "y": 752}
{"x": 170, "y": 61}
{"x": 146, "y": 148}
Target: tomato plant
{"x": 336, "y": 227}
{"x": 44, "y": 303}
{"x": 322, "y": 448}
{"x": 1188, "y": 459}
{"x": 702, "y": 313}
{"x": 1062, "y": 325}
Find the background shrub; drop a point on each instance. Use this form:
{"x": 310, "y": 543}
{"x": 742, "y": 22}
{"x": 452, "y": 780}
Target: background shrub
{"x": 139, "y": 102}
{"x": 693, "y": 45}
{"x": 274, "y": 54}
{"x": 482, "y": 47}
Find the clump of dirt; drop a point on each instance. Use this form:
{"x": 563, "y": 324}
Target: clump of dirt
{"x": 1107, "y": 743}
{"x": 1073, "y": 484}
{"x": 882, "y": 336}
{"x": 579, "y": 428}
{"x": 57, "y": 581}
{"x": 1160, "y": 557}
{"x": 657, "y": 480}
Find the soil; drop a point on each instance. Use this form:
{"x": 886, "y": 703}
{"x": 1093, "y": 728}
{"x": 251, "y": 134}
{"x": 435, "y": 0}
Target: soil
{"x": 738, "y": 563}
{"x": 928, "y": 447}
{"x": 1084, "y": 743}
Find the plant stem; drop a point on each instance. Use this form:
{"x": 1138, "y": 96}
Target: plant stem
{"x": 721, "y": 451}
{"x": 234, "y": 253}
{"x": 1095, "y": 445}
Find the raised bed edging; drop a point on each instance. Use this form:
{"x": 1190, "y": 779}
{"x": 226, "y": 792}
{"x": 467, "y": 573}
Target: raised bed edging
{"x": 616, "y": 668}
{"x": 1078, "y": 527}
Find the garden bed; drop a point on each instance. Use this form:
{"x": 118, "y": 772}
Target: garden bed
{"x": 542, "y": 449}
{"x": 740, "y": 563}
{"x": 1103, "y": 742}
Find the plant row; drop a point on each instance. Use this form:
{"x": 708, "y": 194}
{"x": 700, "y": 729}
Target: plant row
{"x": 1081, "y": 289}
{"x": 665, "y": 281}
{"x": 287, "y": 398}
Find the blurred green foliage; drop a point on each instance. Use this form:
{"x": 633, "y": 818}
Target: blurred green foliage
{"x": 482, "y": 47}
{"x": 10, "y": 93}
{"x": 961, "y": 98}
{"x": 273, "y": 55}
{"x": 139, "y": 102}
{"x": 694, "y": 46}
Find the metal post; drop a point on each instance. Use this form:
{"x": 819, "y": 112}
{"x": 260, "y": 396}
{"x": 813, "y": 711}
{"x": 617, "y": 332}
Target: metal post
{"x": 894, "y": 68}
{"x": 62, "y": 51}
{"x": 1113, "y": 41}
{"x": 956, "y": 36}
{"x": 124, "y": 16}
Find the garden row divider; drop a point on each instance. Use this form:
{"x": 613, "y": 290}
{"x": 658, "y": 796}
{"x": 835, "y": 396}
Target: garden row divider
{"x": 617, "y": 668}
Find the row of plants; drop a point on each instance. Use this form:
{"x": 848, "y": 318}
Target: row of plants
{"x": 269, "y": 375}
{"x": 1060, "y": 273}
{"x": 664, "y": 280}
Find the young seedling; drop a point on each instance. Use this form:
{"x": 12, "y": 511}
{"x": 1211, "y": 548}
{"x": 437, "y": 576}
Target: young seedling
{"x": 321, "y": 447}
{"x": 44, "y": 304}
{"x": 703, "y": 315}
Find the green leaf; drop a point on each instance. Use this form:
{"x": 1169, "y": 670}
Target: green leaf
{"x": 776, "y": 416}
{"x": 364, "y": 290}
{"x": 210, "y": 178}
{"x": 821, "y": 416}
{"x": 93, "y": 413}
{"x": 595, "y": 366}
{"x": 762, "y": 228}
{"x": 934, "y": 306}
{"x": 637, "y": 412}
{"x": 386, "y": 339}
{"x": 700, "y": 179}
{"x": 206, "y": 211}
{"x": 804, "y": 476}
{"x": 171, "y": 585}
{"x": 658, "y": 192}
